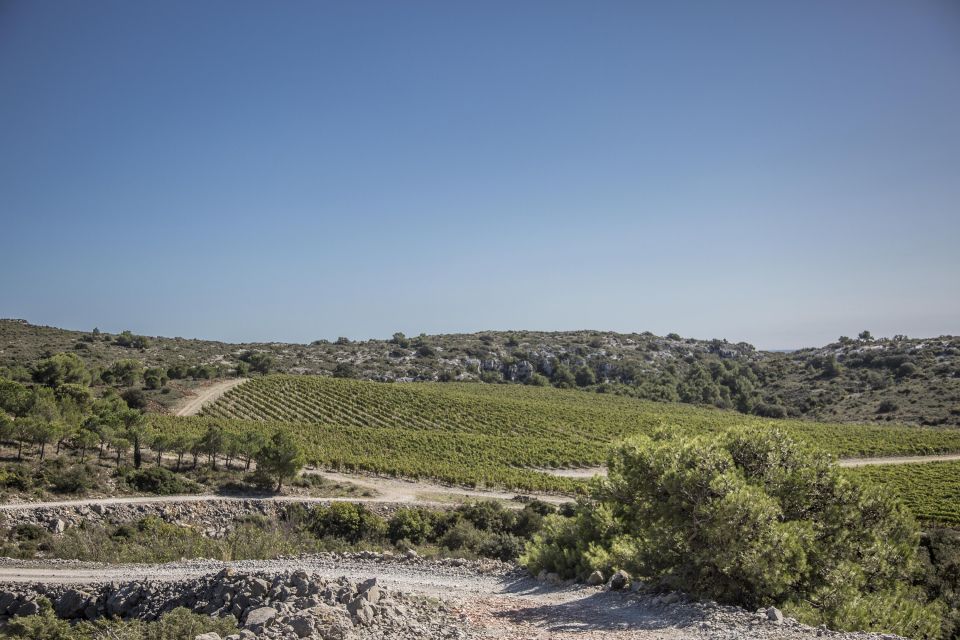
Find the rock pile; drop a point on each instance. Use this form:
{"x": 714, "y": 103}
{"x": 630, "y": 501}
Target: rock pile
{"x": 213, "y": 517}
{"x": 287, "y": 605}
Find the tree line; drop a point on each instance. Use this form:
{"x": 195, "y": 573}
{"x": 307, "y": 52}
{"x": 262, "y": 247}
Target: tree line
{"x": 59, "y": 410}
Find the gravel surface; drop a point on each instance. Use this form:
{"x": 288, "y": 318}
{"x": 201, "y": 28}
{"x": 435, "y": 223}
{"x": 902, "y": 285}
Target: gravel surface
{"x": 589, "y": 472}
{"x": 387, "y": 490}
{"x": 477, "y": 599}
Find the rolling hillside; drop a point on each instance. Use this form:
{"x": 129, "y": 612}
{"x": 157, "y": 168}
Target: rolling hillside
{"x": 897, "y": 380}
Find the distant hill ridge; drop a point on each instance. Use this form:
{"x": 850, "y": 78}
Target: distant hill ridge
{"x": 901, "y": 379}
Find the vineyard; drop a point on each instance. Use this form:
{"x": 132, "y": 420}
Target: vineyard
{"x": 931, "y": 490}
{"x": 494, "y": 435}
{"x": 585, "y": 424}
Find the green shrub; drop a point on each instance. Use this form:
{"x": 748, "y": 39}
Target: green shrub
{"x": 887, "y": 406}
{"x": 940, "y": 554}
{"x": 748, "y": 518}
{"x": 159, "y": 481}
{"x": 462, "y": 536}
{"x": 907, "y": 370}
{"x": 15, "y": 478}
{"x": 44, "y": 626}
{"x": 178, "y": 624}
{"x": 27, "y": 531}
{"x": 182, "y": 623}
{"x": 73, "y": 479}
{"x": 488, "y": 515}
{"x": 412, "y": 525}
{"x": 135, "y": 398}
{"x": 530, "y": 519}
{"x": 348, "y": 521}
{"x": 538, "y": 380}
{"x": 154, "y": 378}
{"x": 768, "y": 410}
{"x": 501, "y": 546}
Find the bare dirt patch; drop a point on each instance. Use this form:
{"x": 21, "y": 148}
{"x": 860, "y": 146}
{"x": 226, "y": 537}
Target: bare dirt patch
{"x": 192, "y": 405}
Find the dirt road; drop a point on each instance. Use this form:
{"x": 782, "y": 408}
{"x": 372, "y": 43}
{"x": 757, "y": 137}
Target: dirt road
{"x": 386, "y": 490}
{"x": 589, "y": 472}
{"x": 864, "y": 462}
{"x": 416, "y": 492}
{"x": 504, "y": 603}
{"x": 433, "y": 578}
{"x": 193, "y": 404}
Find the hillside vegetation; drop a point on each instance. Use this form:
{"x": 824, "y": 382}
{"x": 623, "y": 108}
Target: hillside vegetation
{"x": 900, "y": 379}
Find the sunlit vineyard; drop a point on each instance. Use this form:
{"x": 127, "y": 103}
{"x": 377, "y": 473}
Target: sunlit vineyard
{"x": 495, "y": 434}
{"x": 585, "y": 423}
{"x": 931, "y": 490}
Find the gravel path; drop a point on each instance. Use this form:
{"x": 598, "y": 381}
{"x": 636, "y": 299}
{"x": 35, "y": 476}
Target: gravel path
{"x": 425, "y": 577}
{"x": 390, "y": 490}
{"x": 864, "y": 462}
{"x": 490, "y": 599}
{"x": 387, "y": 491}
{"x": 589, "y": 472}
{"x": 193, "y": 404}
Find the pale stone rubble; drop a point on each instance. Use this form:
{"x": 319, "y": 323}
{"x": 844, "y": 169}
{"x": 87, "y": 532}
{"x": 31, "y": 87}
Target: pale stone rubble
{"x": 288, "y": 605}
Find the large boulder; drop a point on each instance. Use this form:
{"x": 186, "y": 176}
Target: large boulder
{"x": 122, "y": 600}
{"x": 301, "y": 625}
{"x": 300, "y": 581}
{"x": 361, "y": 610}
{"x": 258, "y": 587}
{"x": 595, "y": 579}
{"x": 372, "y": 595}
{"x": 259, "y": 618}
{"x": 72, "y": 603}
{"x": 619, "y": 580}
{"x": 367, "y": 584}
{"x": 9, "y": 601}
{"x": 28, "y": 608}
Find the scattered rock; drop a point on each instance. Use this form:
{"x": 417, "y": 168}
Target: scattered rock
{"x": 774, "y": 615}
{"x": 260, "y": 617}
{"x": 595, "y": 579}
{"x": 258, "y": 587}
{"x": 361, "y": 610}
{"x": 301, "y": 625}
{"x": 372, "y": 595}
{"x": 619, "y": 580}
{"x": 72, "y": 603}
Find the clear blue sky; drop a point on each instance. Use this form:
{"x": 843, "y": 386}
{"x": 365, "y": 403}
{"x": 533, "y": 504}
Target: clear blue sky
{"x": 777, "y": 172}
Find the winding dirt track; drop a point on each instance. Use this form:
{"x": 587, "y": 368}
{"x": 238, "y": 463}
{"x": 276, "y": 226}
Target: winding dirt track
{"x": 193, "y": 404}
{"x": 386, "y": 490}
{"x": 864, "y": 462}
{"x": 589, "y": 472}
{"x": 412, "y": 492}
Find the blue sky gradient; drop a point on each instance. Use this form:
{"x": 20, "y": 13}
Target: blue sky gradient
{"x": 776, "y": 172}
